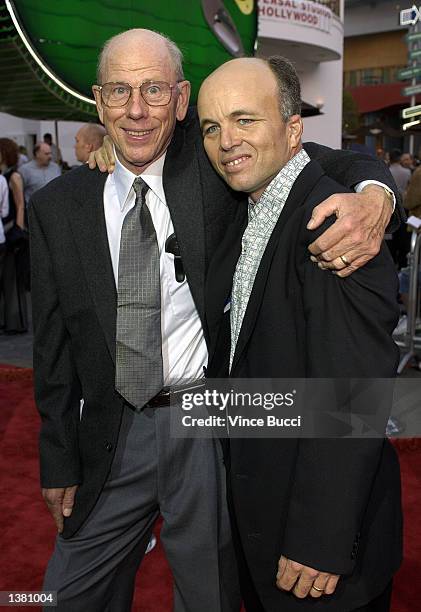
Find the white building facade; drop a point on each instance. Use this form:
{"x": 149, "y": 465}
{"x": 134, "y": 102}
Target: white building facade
{"x": 311, "y": 35}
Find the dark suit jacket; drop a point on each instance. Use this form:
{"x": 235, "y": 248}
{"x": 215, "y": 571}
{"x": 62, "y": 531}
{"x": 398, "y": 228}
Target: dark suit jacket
{"x": 74, "y": 300}
{"x": 331, "y": 504}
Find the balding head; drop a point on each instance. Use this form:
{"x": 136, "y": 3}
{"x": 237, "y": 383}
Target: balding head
{"x": 89, "y": 138}
{"x": 286, "y": 79}
{"x": 42, "y": 154}
{"x": 250, "y": 121}
{"x": 143, "y": 41}
{"x": 140, "y": 63}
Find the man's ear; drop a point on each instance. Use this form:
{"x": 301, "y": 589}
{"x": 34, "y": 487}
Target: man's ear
{"x": 295, "y": 130}
{"x": 98, "y": 101}
{"x": 184, "y": 89}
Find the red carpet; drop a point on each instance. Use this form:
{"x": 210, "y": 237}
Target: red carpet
{"x": 28, "y": 533}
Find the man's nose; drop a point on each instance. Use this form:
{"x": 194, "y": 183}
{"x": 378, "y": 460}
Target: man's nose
{"x": 136, "y": 106}
{"x": 229, "y": 138}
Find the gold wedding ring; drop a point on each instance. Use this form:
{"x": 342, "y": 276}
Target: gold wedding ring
{"x": 317, "y": 589}
{"x": 344, "y": 260}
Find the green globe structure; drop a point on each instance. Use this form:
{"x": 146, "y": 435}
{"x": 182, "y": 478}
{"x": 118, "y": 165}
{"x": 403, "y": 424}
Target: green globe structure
{"x": 49, "y": 49}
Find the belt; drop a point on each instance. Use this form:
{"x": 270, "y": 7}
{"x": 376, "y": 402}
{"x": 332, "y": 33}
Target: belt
{"x": 172, "y": 394}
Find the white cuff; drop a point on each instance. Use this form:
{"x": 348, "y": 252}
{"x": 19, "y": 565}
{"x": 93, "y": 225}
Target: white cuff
{"x": 360, "y": 186}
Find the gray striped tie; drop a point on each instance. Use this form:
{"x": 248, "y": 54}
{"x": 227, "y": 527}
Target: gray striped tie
{"x": 139, "y": 375}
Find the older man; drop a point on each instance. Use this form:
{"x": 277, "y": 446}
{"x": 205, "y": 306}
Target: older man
{"x": 39, "y": 171}
{"x": 326, "y": 513}
{"x": 114, "y": 327}
{"x": 118, "y": 321}
{"x": 88, "y": 138}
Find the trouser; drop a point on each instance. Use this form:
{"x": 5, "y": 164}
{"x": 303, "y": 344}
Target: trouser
{"x": 152, "y": 473}
{"x": 14, "y": 315}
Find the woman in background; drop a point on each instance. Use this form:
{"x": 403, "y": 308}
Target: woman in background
{"x": 13, "y": 303}
{"x": 4, "y": 211}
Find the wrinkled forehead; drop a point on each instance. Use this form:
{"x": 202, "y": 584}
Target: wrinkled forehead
{"x": 228, "y": 91}
{"x": 137, "y": 56}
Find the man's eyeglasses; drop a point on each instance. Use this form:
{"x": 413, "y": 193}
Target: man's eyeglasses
{"x": 155, "y": 93}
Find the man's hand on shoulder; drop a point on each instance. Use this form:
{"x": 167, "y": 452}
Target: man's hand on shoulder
{"x": 60, "y": 503}
{"x": 357, "y": 235}
{"x": 304, "y": 581}
{"x": 103, "y": 157}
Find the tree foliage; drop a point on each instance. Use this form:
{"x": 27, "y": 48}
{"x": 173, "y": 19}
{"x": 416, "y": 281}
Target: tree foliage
{"x": 351, "y": 118}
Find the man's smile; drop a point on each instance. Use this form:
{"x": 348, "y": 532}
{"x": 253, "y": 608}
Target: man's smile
{"x": 137, "y": 134}
{"x": 234, "y": 163}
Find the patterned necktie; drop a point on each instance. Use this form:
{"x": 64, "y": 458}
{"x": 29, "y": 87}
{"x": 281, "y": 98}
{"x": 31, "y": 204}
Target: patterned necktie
{"x": 139, "y": 374}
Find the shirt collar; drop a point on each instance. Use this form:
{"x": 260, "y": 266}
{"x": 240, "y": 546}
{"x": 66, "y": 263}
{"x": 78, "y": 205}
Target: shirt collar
{"x": 123, "y": 180}
{"x": 282, "y": 182}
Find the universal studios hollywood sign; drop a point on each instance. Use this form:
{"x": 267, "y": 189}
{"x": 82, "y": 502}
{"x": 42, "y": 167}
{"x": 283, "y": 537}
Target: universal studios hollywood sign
{"x": 295, "y": 12}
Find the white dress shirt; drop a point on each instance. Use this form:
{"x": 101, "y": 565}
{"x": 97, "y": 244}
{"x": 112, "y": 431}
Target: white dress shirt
{"x": 184, "y": 351}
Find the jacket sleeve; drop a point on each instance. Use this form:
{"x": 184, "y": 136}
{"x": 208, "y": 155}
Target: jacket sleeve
{"x": 350, "y": 168}
{"x": 348, "y": 335}
{"x": 57, "y": 387}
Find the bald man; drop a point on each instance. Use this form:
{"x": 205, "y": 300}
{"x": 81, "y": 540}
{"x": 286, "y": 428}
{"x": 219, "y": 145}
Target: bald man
{"x": 119, "y": 333}
{"x": 39, "y": 171}
{"x": 109, "y": 467}
{"x": 88, "y": 138}
{"x": 317, "y": 522}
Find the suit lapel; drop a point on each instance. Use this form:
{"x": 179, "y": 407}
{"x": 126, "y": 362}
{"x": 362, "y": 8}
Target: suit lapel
{"x": 182, "y": 186}
{"x": 90, "y": 233}
{"x": 220, "y": 275}
{"x": 306, "y": 181}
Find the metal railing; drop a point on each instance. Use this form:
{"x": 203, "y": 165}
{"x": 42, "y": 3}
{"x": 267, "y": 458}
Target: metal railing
{"x": 411, "y": 341}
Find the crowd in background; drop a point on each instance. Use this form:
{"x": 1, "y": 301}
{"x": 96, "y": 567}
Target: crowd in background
{"x": 406, "y": 170}
{"x": 20, "y": 177}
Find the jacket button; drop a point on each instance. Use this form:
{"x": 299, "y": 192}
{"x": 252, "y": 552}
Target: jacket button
{"x": 241, "y": 476}
{"x": 108, "y": 447}
{"x": 254, "y": 536}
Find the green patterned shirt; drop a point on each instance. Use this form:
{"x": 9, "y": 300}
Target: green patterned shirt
{"x": 263, "y": 216}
